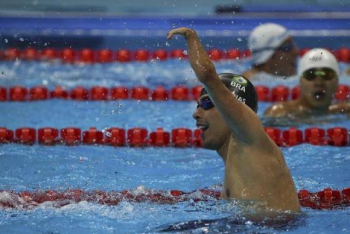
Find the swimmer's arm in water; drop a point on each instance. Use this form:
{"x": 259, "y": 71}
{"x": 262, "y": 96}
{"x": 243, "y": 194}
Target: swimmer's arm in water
{"x": 276, "y": 110}
{"x": 234, "y": 112}
{"x": 340, "y": 108}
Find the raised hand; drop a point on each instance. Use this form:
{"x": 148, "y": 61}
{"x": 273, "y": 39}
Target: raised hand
{"x": 180, "y": 31}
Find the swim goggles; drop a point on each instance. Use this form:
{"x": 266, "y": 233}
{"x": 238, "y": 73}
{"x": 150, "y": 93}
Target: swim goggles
{"x": 324, "y": 73}
{"x": 205, "y": 103}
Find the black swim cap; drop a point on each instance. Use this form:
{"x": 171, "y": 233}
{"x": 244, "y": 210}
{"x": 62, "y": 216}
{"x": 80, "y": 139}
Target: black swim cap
{"x": 241, "y": 88}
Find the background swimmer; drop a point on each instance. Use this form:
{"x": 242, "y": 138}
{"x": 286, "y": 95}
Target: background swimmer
{"x": 273, "y": 52}
{"x": 318, "y": 71}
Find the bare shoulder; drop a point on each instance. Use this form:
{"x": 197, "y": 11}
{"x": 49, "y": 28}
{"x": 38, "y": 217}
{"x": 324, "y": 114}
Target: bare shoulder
{"x": 279, "y": 109}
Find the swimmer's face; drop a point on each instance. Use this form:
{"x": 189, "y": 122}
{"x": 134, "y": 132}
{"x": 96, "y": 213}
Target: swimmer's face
{"x": 318, "y": 87}
{"x": 215, "y": 132}
{"x": 284, "y": 61}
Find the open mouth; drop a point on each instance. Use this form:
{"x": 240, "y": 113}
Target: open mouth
{"x": 319, "y": 94}
{"x": 202, "y": 127}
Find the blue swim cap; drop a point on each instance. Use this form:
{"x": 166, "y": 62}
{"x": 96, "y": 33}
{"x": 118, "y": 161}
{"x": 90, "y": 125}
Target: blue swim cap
{"x": 241, "y": 88}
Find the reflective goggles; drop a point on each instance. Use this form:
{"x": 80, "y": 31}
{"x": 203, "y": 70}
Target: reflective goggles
{"x": 324, "y": 73}
{"x": 205, "y": 103}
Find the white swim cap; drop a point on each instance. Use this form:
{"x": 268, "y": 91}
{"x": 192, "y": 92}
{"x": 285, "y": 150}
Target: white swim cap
{"x": 264, "y": 39}
{"x": 317, "y": 58}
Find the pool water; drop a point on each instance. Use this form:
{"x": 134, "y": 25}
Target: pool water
{"x": 141, "y": 170}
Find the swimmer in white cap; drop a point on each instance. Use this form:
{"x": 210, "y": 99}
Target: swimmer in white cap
{"x": 318, "y": 71}
{"x": 255, "y": 169}
{"x": 273, "y": 52}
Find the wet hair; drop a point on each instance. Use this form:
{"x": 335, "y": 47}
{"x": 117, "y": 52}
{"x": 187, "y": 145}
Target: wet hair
{"x": 241, "y": 88}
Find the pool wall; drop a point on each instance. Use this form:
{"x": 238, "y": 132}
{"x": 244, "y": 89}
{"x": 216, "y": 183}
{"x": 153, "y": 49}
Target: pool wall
{"x": 331, "y": 30}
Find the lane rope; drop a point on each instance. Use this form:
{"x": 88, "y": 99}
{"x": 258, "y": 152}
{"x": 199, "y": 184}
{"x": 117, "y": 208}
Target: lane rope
{"x": 321, "y": 200}
{"x": 177, "y": 137}
{"x": 20, "y": 93}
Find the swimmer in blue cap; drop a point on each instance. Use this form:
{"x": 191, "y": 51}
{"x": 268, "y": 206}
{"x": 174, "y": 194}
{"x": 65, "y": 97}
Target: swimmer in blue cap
{"x": 255, "y": 169}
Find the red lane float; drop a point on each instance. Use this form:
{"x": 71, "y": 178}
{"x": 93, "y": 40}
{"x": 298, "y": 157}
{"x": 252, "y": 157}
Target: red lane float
{"x": 179, "y": 137}
{"x": 3, "y": 94}
{"x": 343, "y": 55}
{"x": 99, "y": 93}
{"x": 18, "y": 93}
{"x": 105, "y": 56}
{"x": 159, "y": 138}
{"x": 275, "y": 135}
{"x": 336, "y": 136}
{"x": 263, "y": 93}
{"x": 327, "y": 199}
{"x": 47, "y": 136}
{"x": 197, "y": 139}
{"x": 292, "y": 137}
{"x": 160, "y": 54}
{"x": 70, "y": 136}
{"x": 25, "y": 136}
{"x": 295, "y": 92}
{"x": 140, "y": 93}
{"x": 142, "y": 55}
{"x": 196, "y": 92}
{"x": 178, "y": 54}
{"x": 280, "y": 93}
{"x": 342, "y": 93}
{"x": 38, "y": 93}
{"x": 79, "y": 93}
{"x": 12, "y": 54}
{"x": 233, "y": 54}
{"x": 160, "y": 94}
{"x": 115, "y": 136}
{"x": 49, "y": 54}
{"x": 30, "y": 54}
{"x": 179, "y": 93}
{"x": 93, "y": 136}
{"x": 315, "y": 136}
{"x": 86, "y": 56}
{"x": 68, "y": 55}
{"x": 119, "y": 93}
{"x": 137, "y": 137}
{"x": 216, "y": 54}
{"x": 6, "y": 135}
{"x": 246, "y": 53}
{"x": 59, "y": 92}
{"x": 123, "y": 56}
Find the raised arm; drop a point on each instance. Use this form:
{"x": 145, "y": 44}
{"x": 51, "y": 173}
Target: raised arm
{"x": 234, "y": 112}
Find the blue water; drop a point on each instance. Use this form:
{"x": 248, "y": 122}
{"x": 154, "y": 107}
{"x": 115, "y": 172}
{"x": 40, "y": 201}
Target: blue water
{"x": 137, "y": 169}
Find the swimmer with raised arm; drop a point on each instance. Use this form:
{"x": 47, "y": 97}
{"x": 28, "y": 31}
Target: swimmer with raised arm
{"x": 255, "y": 169}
